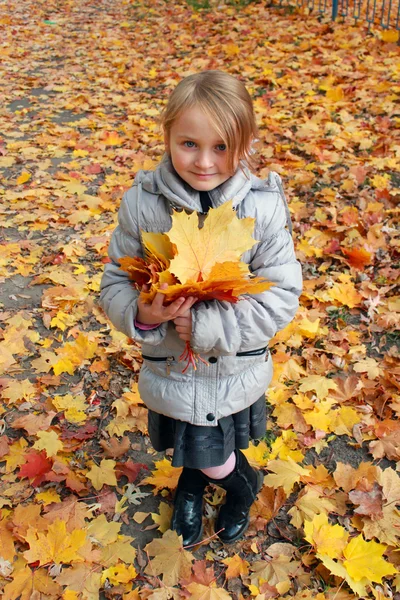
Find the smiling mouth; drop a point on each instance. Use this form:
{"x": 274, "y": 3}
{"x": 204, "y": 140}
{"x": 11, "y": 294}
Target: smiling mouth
{"x": 204, "y": 174}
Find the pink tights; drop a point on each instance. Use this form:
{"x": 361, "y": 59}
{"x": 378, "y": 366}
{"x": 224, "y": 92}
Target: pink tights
{"x": 222, "y": 470}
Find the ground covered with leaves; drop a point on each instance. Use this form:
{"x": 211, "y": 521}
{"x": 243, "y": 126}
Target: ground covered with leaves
{"x": 85, "y": 503}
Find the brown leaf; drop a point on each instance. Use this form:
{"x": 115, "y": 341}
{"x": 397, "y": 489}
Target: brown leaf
{"x": 113, "y": 448}
{"x": 33, "y": 423}
{"x": 369, "y": 500}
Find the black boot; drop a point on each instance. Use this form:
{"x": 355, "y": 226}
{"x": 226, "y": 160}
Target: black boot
{"x": 188, "y": 506}
{"x": 242, "y": 487}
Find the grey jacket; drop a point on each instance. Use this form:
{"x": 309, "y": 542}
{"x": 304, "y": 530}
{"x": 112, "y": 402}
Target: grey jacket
{"x": 233, "y": 338}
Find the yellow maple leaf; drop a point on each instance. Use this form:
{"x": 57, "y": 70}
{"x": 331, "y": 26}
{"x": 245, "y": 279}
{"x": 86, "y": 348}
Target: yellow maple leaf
{"x": 48, "y": 441}
{"x": 73, "y": 407}
{"x": 364, "y": 560}
{"x": 370, "y": 366}
{"x": 258, "y": 456}
{"x": 122, "y": 548}
{"x": 285, "y": 446}
{"x": 390, "y": 35}
{"x": 285, "y": 474}
{"x": 311, "y": 329}
{"x": 170, "y": 558}
{"x": 163, "y": 517}
{"x": 7, "y": 549}
{"x": 56, "y": 545}
{"x": 237, "y": 566}
{"x": 198, "y": 591}
{"x": 321, "y": 385}
{"x": 222, "y": 238}
{"x": 119, "y": 574}
{"x": 164, "y": 476}
{"x": 345, "y": 293}
{"x": 16, "y": 455}
{"x": 103, "y": 474}
{"x": 48, "y": 497}
{"x": 24, "y": 177}
{"x": 343, "y": 420}
{"x": 28, "y": 584}
{"x": 102, "y": 531}
{"x": 309, "y": 503}
{"x": 20, "y": 390}
{"x": 337, "y": 568}
{"x": 328, "y": 539}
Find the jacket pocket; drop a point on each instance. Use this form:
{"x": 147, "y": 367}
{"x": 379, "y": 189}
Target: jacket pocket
{"x": 258, "y": 352}
{"x": 167, "y": 359}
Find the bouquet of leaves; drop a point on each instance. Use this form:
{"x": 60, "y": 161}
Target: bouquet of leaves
{"x": 200, "y": 262}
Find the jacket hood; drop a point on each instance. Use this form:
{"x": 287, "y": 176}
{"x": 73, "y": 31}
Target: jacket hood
{"x": 166, "y": 181}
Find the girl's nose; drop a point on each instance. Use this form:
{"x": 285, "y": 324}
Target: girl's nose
{"x": 204, "y": 161}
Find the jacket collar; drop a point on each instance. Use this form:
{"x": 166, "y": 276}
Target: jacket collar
{"x": 165, "y": 180}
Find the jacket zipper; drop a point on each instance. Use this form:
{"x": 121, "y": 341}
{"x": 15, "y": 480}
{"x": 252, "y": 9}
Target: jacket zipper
{"x": 168, "y": 359}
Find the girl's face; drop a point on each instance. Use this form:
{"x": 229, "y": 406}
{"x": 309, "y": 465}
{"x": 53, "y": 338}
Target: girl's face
{"x": 198, "y": 154}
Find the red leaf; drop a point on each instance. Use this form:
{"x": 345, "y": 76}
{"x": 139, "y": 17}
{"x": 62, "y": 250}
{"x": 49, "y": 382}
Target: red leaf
{"x": 36, "y": 467}
{"x": 83, "y": 433}
{"x": 93, "y": 169}
{"x": 129, "y": 469}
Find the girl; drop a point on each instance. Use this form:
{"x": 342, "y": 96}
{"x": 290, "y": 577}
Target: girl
{"x": 206, "y": 415}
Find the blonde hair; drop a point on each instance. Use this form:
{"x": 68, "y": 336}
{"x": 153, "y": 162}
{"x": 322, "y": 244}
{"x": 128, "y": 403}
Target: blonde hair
{"x": 226, "y": 102}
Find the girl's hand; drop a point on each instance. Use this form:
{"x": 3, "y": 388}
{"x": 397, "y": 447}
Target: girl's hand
{"x": 156, "y": 312}
{"x": 183, "y": 325}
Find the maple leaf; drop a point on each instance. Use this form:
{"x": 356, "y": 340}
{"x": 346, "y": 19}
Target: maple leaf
{"x": 49, "y": 442}
{"x": 113, "y": 448}
{"x": 18, "y": 390}
{"x": 369, "y": 500}
{"x": 237, "y": 566}
{"x": 36, "y": 467}
{"x": 257, "y": 456}
{"x": 329, "y": 540}
{"x": 170, "y": 559}
{"x": 7, "y": 548}
{"x": 276, "y": 570}
{"x": 222, "y": 238}
{"x": 55, "y": 545}
{"x": 102, "y": 474}
{"x": 27, "y": 584}
{"x": 205, "y": 592}
{"x": 321, "y": 385}
{"x": 309, "y": 503}
{"x": 82, "y": 578}
{"x": 33, "y": 423}
{"x": 119, "y": 574}
{"x": 164, "y": 476}
{"x": 130, "y": 469}
{"x": 285, "y": 473}
{"x": 163, "y": 519}
{"x": 267, "y": 504}
{"x": 364, "y": 560}
{"x": 102, "y": 532}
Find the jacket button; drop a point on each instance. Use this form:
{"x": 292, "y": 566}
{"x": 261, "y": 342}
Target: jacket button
{"x": 212, "y": 359}
{"x": 210, "y": 417}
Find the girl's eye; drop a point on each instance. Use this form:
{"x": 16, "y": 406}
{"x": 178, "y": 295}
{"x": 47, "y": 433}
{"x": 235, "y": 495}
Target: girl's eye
{"x": 184, "y": 143}
{"x": 221, "y": 147}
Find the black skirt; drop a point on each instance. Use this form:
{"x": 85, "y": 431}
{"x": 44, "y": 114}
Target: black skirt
{"x": 201, "y": 447}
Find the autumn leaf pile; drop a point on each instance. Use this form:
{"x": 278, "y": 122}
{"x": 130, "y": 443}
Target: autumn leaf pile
{"x": 81, "y": 87}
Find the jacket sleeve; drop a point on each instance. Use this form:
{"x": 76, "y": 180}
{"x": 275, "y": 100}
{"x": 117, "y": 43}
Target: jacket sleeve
{"x": 225, "y": 328}
{"x": 118, "y": 297}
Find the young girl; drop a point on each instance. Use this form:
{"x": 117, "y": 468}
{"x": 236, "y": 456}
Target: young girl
{"x": 206, "y": 415}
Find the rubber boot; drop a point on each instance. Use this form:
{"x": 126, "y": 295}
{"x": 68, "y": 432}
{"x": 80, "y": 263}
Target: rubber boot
{"x": 242, "y": 487}
{"x": 188, "y": 506}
